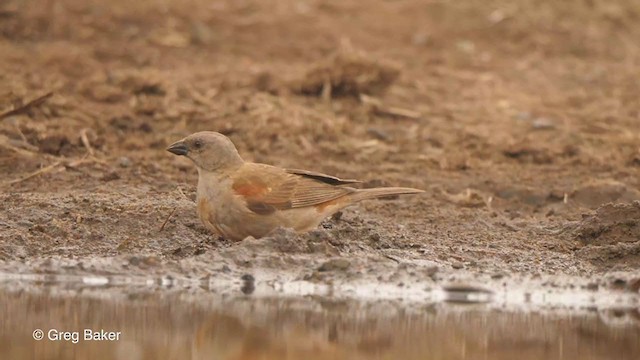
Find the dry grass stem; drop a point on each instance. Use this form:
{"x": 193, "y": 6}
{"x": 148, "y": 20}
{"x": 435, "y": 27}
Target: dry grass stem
{"x": 167, "y": 219}
{"x": 44, "y": 170}
{"x": 85, "y": 142}
{"x": 24, "y": 108}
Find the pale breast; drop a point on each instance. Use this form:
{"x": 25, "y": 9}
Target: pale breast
{"x": 207, "y": 215}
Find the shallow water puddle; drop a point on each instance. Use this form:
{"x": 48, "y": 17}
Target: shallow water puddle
{"x": 114, "y": 318}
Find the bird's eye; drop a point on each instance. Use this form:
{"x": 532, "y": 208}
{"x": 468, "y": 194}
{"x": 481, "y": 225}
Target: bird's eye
{"x": 197, "y": 144}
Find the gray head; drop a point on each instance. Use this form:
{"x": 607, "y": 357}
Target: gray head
{"x": 210, "y": 151}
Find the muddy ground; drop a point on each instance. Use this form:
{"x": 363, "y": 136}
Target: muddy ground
{"x": 520, "y": 119}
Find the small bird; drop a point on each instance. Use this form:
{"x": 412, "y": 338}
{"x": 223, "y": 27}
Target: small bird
{"x": 237, "y": 199}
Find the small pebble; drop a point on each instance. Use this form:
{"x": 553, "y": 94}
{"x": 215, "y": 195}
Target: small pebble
{"x": 523, "y": 116}
{"x": 378, "y": 134}
{"x": 124, "y": 162}
{"x": 335, "y": 264}
{"x": 592, "y": 286}
{"x": 431, "y": 271}
{"x": 543, "y": 123}
{"x": 420, "y": 38}
{"x": 618, "y": 284}
{"x": 110, "y": 176}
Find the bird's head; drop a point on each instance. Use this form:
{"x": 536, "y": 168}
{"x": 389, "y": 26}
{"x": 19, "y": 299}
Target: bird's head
{"x": 210, "y": 151}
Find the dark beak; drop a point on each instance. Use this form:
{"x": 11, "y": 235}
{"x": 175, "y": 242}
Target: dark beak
{"x": 178, "y": 148}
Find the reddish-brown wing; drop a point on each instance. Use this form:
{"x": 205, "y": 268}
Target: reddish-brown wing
{"x": 267, "y": 189}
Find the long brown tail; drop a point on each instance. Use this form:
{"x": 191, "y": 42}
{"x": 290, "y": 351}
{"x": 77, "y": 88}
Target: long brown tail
{"x": 362, "y": 194}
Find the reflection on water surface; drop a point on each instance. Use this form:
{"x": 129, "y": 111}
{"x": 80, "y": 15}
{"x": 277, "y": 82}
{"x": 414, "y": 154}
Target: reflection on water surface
{"x": 197, "y": 324}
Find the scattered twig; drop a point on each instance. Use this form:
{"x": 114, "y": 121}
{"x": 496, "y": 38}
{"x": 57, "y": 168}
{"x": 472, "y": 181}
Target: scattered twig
{"x": 85, "y": 141}
{"x": 22, "y": 136}
{"x": 306, "y": 144}
{"x": 378, "y": 107}
{"x": 17, "y": 146}
{"x": 167, "y": 219}
{"x": 370, "y": 100}
{"x": 392, "y": 258}
{"x": 7, "y": 143}
{"x": 24, "y": 108}
{"x": 507, "y": 225}
{"x": 485, "y": 223}
{"x": 326, "y": 90}
{"x": 489, "y": 202}
{"x": 35, "y": 173}
{"x": 202, "y": 99}
{"x": 398, "y": 112}
{"x": 183, "y": 194}
{"x": 75, "y": 163}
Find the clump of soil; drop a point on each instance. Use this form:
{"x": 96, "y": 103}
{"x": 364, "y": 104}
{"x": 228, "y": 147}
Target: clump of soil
{"x": 611, "y": 224}
{"x": 287, "y": 241}
{"x": 346, "y": 74}
{"x": 611, "y": 236}
{"x": 598, "y": 192}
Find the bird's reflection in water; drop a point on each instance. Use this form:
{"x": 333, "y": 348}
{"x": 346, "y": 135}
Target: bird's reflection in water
{"x": 201, "y": 325}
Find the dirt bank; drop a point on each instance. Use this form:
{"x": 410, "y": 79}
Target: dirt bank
{"x": 519, "y": 119}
